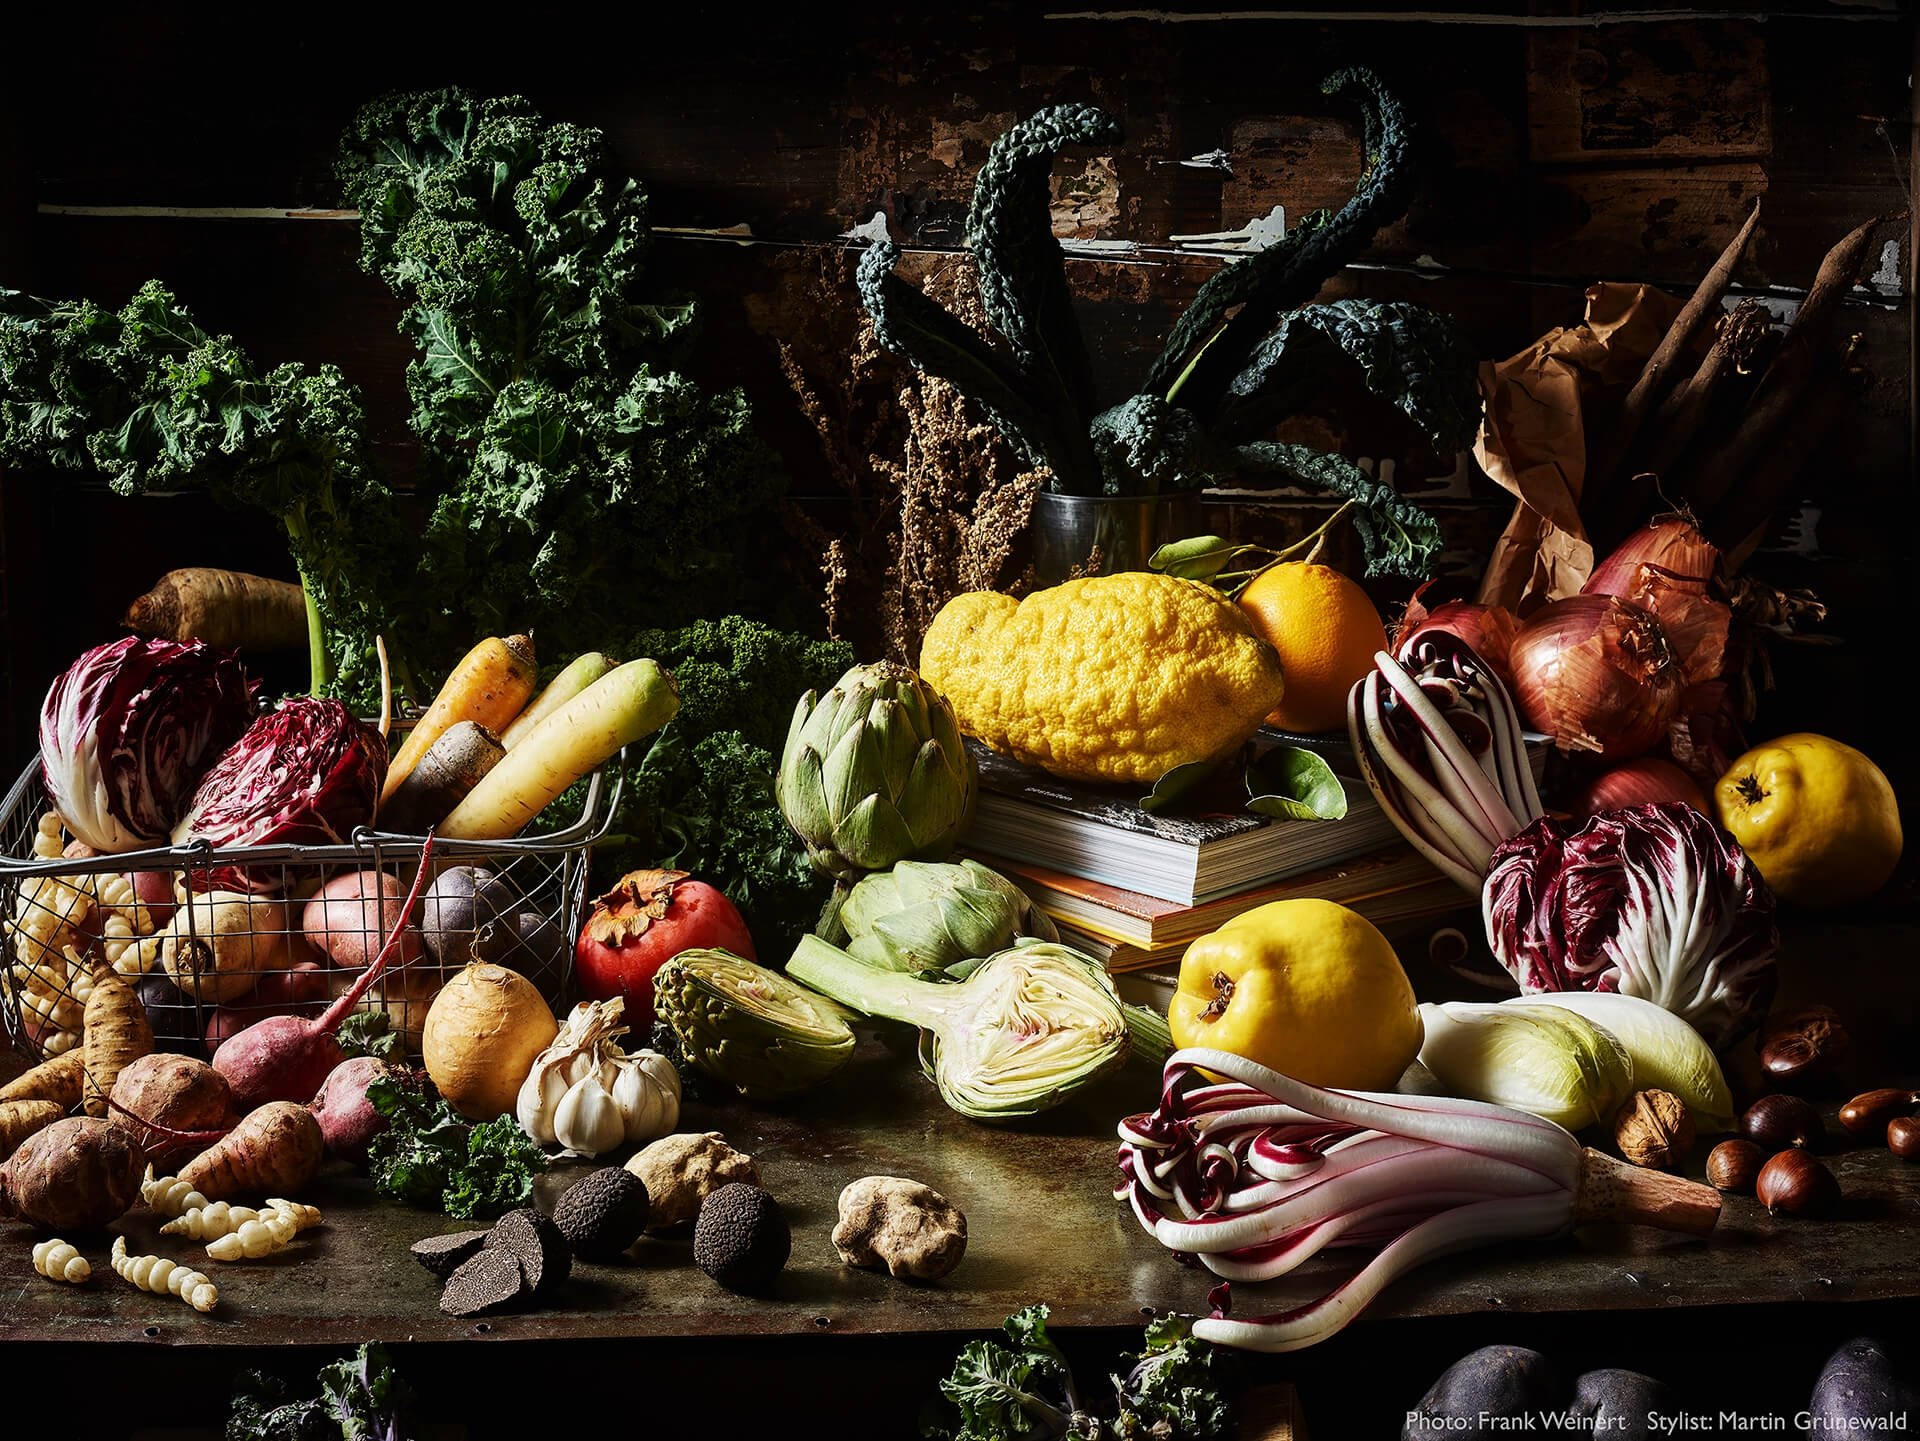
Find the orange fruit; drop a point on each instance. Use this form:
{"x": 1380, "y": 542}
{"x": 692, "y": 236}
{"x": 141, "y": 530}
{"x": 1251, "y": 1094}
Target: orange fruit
{"x": 1326, "y": 631}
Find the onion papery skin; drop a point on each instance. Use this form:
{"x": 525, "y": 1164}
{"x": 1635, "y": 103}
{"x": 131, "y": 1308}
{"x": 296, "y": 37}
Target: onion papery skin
{"x": 1597, "y": 675}
{"x": 1673, "y": 545}
{"x": 1648, "y": 780}
{"x": 1487, "y": 629}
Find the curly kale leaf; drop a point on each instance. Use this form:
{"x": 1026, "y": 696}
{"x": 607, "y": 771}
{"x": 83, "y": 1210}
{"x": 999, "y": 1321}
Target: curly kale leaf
{"x": 741, "y": 675}
{"x": 1399, "y": 537}
{"x": 147, "y": 398}
{"x": 432, "y": 1157}
{"x": 582, "y": 484}
{"x": 501, "y": 1162}
{"x": 1176, "y": 1386}
{"x": 1207, "y": 347}
{"x": 1023, "y": 274}
{"x": 1009, "y": 1392}
{"x": 1409, "y": 355}
{"x": 362, "y": 1398}
{"x": 701, "y": 798}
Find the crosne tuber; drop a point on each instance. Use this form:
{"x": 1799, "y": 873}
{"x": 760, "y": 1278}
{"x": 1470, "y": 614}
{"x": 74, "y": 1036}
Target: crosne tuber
{"x": 163, "y": 1277}
{"x": 58, "y": 1261}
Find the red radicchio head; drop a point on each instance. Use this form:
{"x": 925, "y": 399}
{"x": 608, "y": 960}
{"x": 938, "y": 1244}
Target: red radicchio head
{"x": 128, "y": 729}
{"x": 1650, "y": 901}
{"x": 307, "y": 773}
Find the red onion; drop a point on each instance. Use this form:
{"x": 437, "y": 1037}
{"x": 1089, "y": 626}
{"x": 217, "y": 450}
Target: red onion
{"x": 1647, "y": 781}
{"x": 1487, "y": 629}
{"x": 1597, "y": 674}
{"x": 1672, "y": 545}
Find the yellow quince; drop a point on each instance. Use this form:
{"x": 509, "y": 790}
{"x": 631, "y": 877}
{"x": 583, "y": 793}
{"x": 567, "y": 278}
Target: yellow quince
{"x": 1116, "y": 678}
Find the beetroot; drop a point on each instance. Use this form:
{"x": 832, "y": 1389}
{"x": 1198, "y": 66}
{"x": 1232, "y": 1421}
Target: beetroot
{"x": 347, "y": 1119}
{"x": 647, "y": 919}
{"x": 300, "y": 990}
{"x": 288, "y": 1058}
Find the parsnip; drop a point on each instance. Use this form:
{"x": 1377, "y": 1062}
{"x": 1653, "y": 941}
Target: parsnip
{"x": 626, "y": 704}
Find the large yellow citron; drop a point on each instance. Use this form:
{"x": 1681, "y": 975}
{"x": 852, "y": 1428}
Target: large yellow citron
{"x": 1115, "y": 678}
{"x": 1818, "y": 818}
{"x": 1305, "y": 987}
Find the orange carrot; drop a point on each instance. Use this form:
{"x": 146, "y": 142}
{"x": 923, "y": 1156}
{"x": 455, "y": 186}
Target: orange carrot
{"x": 490, "y": 687}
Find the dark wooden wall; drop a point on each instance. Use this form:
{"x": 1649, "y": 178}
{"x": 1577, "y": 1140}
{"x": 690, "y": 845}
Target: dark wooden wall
{"x": 1621, "y": 144}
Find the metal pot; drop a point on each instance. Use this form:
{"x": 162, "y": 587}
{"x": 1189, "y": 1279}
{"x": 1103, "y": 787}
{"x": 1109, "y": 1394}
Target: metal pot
{"x": 1068, "y": 530}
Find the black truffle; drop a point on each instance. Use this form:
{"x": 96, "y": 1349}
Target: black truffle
{"x": 531, "y": 1238}
{"x": 741, "y": 1238}
{"x": 604, "y": 1213}
{"x": 486, "y": 1281}
{"x": 442, "y": 1255}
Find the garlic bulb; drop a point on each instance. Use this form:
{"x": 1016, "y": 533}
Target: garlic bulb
{"x": 587, "y": 1095}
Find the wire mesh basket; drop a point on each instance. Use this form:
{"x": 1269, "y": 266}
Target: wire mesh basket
{"x": 207, "y": 962}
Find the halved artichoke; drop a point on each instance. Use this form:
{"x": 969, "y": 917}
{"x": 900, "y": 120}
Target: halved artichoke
{"x": 749, "y": 1026}
{"x": 926, "y": 916}
{"x": 1024, "y": 1031}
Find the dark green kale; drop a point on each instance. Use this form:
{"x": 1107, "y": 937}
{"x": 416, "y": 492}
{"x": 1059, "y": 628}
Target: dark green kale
{"x": 362, "y": 1398}
{"x": 1011, "y": 1391}
{"x": 148, "y": 399}
{"x": 1238, "y": 361}
{"x": 583, "y": 485}
{"x": 701, "y": 798}
{"x": 432, "y": 1157}
{"x": 1174, "y": 1387}
{"x": 1023, "y": 1390}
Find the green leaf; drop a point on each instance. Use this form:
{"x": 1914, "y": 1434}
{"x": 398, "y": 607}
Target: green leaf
{"x": 1420, "y": 361}
{"x": 1200, "y": 558}
{"x": 1295, "y": 784}
{"x": 370, "y": 1033}
{"x": 1177, "y": 785}
{"x": 1398, "y": 536}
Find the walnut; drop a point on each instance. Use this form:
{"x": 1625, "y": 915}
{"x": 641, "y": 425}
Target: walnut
{"x": 912, "y": 1230}
{"x": 1653, "y": 1129}
{"x": 680, "y": 1170}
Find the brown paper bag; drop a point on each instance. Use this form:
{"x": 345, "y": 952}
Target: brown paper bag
{"x": 1533, "y": 438}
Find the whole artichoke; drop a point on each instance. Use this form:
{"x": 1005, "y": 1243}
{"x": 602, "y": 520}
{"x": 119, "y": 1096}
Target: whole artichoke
{"x": 926, "y": 916}
{"x": 749, "y": 1026}
{"x": 874, "y": 772}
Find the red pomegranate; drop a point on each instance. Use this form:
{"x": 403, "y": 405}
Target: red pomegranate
{"x": 647, "y": 919}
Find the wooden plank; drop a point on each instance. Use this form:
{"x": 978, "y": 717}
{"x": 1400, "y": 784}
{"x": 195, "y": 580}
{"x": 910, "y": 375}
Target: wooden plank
{"x": 1696, "y": 90}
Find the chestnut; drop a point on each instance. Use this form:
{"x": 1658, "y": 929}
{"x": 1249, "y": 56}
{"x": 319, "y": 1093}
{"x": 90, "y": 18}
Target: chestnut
{"x": 1803, "y": 1045}
{"x": 1870, "y": 1110}
{"x": 1798, "y": 1184}
{"x": 1778, "y": 1121}
{"x": 1734, "y": 1165}
{"x": 1903, "y": 1137}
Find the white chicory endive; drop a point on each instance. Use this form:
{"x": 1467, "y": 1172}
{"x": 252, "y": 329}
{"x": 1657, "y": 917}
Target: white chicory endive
{"x": 588, "y": 1096}
{"x": 1668, "y": 1054}
{"x": 1549, "y": 1062}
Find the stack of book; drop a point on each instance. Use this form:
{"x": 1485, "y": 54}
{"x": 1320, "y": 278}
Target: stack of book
{"x": 1134, "y": 888}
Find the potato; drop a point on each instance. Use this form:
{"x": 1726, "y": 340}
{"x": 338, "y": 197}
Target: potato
{"x": 350, "y": 918}
{"x": 460, "y": 901}
{"x": 1624, "y": 1404}
{"x": 1485, "y": 1387}
{"x": 1860, "y": 1384}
